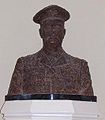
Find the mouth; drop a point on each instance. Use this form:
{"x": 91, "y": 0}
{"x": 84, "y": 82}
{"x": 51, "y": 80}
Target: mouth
{"x": 52, "y": 39}
{"x": 52, "y": 42}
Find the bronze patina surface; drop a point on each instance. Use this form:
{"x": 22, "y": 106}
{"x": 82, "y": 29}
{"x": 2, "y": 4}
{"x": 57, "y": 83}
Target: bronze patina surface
{"x": 51, "y": 70}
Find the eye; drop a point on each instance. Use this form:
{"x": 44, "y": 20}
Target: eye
{"x": 57, "y": 26}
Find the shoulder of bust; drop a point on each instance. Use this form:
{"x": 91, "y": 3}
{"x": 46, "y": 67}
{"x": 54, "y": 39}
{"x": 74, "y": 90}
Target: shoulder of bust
{"x": 77, "y": 60}
{"x": 29, "y": 58}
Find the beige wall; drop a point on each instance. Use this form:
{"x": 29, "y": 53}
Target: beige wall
{"x": 85, "y": 37}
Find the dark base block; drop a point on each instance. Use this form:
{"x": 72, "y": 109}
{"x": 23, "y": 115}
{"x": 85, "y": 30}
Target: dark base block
{"x": 50, "y": 97}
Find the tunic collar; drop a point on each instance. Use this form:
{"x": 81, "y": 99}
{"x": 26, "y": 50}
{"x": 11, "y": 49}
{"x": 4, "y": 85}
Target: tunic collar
{"x": 59, "y": 58}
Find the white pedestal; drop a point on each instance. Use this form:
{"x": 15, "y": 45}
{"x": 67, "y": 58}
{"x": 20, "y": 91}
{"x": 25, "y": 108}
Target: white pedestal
{"x": 50, "y": 110}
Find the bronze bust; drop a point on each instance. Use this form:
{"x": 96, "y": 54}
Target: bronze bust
{"x": 51, "y": 70}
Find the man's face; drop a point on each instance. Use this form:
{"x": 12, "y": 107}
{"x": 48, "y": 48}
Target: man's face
{"x": 52, "y": 33}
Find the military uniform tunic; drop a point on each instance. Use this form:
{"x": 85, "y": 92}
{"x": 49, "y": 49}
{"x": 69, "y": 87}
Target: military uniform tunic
{"x": 38, "y": 74}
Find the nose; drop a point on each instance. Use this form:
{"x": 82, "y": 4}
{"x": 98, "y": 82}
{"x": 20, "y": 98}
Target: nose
{"x": 53, "y": 34}
{"x": 53, "y": 28}
{"x": 53, "y": 31}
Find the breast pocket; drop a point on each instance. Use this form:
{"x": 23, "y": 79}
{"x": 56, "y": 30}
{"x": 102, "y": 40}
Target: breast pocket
{"x": 71, "y": 76}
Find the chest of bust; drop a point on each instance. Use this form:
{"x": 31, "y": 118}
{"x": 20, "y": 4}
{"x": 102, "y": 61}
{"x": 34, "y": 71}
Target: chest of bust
{"x": 43, "y": 78}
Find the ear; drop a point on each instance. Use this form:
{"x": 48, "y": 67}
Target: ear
{"x": 41, "y": 32}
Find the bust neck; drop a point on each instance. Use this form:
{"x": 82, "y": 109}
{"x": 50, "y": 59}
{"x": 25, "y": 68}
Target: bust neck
{"x": 56, "y": 53}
